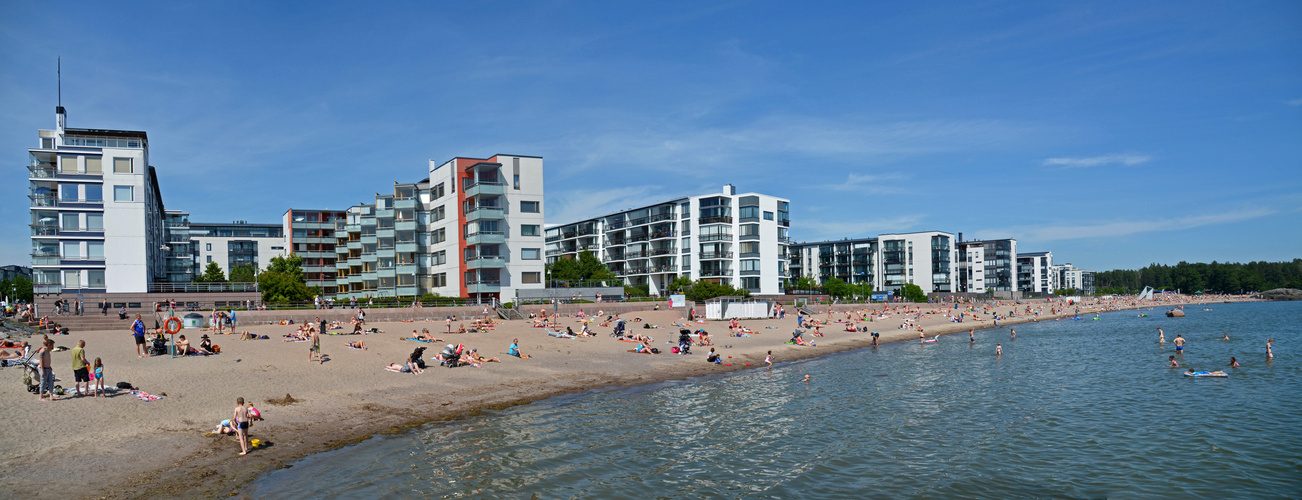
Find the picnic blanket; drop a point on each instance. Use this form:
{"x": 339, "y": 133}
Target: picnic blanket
{"x": 145, "y": 396}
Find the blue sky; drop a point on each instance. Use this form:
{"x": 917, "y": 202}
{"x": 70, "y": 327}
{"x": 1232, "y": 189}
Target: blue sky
{"x": 1114, "y": 134}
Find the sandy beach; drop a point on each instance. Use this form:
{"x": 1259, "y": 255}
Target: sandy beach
{"x": 123, "y": 447}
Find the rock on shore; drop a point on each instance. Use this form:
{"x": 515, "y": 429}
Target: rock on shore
{"x": 1282, "y": 294}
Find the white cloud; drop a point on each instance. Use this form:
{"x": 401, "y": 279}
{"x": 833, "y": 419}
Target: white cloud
{"x": 867, "y": 184}
{"x": 1127, "y": 159}
{"x": 1294, "y": 102}
{"x": 1125, "y": 227}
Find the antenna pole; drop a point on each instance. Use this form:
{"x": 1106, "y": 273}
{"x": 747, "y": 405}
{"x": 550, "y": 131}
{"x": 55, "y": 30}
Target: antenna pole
{"x": 60, "y": 69}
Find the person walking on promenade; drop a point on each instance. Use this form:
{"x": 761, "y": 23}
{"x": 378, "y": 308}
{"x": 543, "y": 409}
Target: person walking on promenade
{"x": 138, "y": 331}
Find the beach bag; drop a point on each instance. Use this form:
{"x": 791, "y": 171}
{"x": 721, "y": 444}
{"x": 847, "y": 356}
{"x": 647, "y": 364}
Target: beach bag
{"x": 655, "y": 351}
{"x": 124, "y": 385}
{"x": 673, "y": 350}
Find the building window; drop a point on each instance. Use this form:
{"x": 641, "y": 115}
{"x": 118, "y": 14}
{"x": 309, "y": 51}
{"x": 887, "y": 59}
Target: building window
{"x": 209, "y": 259}
{"x": 440, "y": 235}
{"x": 67, "y": 164}
{"x": 95, "y": 250}
{"x": 531, "y": 277}
{"x": 530, "y": 207}
{"x": 440, "y": 213}
{"x": 749, "y": 247}
{"x": 750, "y": 265}
{"x": 95, "y": 166}
{"x": 748, "y": 212}
{"x": 768, "y": 215}
{"x": 68, "y": 192}
{"x": 528, "y": 230}
{"x": 750, "y": 283}
{"x": 94, "y": 192}
{"x": 47, "y": 143}
{"x": 440, "y": 257}
{"x": 530, "y": 253}
{"x": 515, "y": 181}
{"x": 750, "y": 229}
{"x": 95, "y": 278}
{"x": 94, "y": 222}
{"x": 437, "y": 192}
{"x": 440, "y": 280}
{"x": 71, "y": 279}
{"x": 123, "y": 193}
{"x": 122, "y": 165}
{"x": 71, "y": 222}
{"x": 208, "y": 247}
{"x": 72, "y": 250}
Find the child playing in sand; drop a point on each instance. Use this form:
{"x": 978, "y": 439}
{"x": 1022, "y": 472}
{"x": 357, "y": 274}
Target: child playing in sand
{"x": 241, "y": 420}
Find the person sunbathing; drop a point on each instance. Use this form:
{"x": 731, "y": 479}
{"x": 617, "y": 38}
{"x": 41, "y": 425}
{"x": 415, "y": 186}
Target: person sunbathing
{"x": 644, "y": 348}
{"x": 245, "y": 335}
{"x": 357, "y": 344}
{"x": 397, "y": 368}
{"x": 474, "y": 354}
{"x": 849, "y": 327}
{"x": 357, "y": 329}
{"x": 182, "y": 346}
{"x": 425, "y": 335}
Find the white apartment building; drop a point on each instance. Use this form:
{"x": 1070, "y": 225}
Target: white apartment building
{"x": 96, "y": 211}
{"x": 235, "y": 244}
{"x": 1070, "y": 277}
{"x": 987, "y": 265}
{"x": 1035, "y": 272}
{"x": 888, "y": 261}
{"x": 735, "y": 239}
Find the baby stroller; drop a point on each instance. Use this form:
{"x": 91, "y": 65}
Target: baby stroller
{"x": 619, "y": 329}
{"x": 684, "y": 341}
{"x": 451, "y": 355}
{"x": 159, "y": 347}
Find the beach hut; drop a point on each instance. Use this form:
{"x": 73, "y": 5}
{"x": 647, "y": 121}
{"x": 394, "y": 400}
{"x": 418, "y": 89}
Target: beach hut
{"x": 736, "y": 307}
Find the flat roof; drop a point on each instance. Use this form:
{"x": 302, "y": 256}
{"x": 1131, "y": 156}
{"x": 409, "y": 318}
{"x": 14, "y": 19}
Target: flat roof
{"x": 105, "y": 132}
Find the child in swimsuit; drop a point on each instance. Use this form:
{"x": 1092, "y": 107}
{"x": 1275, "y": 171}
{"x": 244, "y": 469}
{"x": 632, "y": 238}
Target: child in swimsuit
{"x": 99, "y": 378}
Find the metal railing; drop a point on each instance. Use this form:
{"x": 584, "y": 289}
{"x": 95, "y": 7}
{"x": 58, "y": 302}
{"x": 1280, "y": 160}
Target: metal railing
{"x": 715, "y": 237}
{"x": 201, "y": 287}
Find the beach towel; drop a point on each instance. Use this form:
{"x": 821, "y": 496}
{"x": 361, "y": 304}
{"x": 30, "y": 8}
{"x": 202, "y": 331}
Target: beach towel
{"x": 627, "y": 340}
{"x": 417, "y": 340}
{"x": 355, "y": 348}
{"x": 145, "y": 396}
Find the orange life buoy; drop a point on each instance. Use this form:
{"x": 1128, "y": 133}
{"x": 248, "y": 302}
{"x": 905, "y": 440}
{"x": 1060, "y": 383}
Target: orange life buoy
{"x": 172, "y": 325}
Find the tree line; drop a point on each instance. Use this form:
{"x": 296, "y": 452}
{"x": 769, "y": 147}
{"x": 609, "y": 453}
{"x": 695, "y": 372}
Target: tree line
{"x": 1216, "y": 277}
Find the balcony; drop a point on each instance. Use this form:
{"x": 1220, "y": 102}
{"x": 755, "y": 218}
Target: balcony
{"x": 485, "y": 213}
{"x": 660, "y": 251}
{"x": 715, "y": 272}
{"x": 45, "y": 230}
{"x": 41, "y": 171}
{"x": 750, "y": 237}
{"x": 484, "y": 286}
{"x": 486, "y": 238}
{"x": 715, "y": 237}
{"x": 405, "y": 290}
{"x": 355, "y": 245}
{"x": 408, "y": 247}
{"x": 658, "y": 235}
{"x": 405, "y": 225}
{"x": 486, "y": 262}
{"x": 408, "y": 269}
{"x": 486, "y": 188}
{"x": 714, "y": 255}
{"x": 404, "y": 203}
{"x": 39, "y": 200}
{"x": 639, "y": 237}
{"x": 384, "y": 232}
{"x": 718, "y": 219}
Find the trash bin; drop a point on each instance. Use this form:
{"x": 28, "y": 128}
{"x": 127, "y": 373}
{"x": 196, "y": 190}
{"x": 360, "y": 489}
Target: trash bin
{"x": 192, "y": 321}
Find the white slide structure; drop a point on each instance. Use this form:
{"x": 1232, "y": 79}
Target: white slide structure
{"x": 1147, "y": 294}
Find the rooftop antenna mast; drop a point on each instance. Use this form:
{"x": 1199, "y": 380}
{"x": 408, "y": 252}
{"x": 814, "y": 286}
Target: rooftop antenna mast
{"x": 60, "y": 70}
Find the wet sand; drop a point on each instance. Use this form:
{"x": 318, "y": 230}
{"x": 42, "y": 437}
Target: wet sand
{"x": 122, "y": 447}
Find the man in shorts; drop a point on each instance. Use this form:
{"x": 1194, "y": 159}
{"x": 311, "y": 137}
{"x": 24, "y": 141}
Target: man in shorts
{"x": 80, "y": 370}
{"x": 1179, "y": 344}
{"x": 138, "y": 331}
{"x": 314, "y": 352}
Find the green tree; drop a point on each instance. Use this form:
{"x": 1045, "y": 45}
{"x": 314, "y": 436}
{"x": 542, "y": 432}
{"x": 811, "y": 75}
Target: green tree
{"x": 806, "y": 283}
{"x": 212, "y": 274}
{"x": 17, "y": 289}
{"x": 291, "y": 264}
{"x": 283, "y": 281}
{"x": 679, "y": 285}
{"x": 913, "y": 293}
{"x": 244, "y": 273}
{"x": 838, "y": 289}
{"x": 586, "y": 267}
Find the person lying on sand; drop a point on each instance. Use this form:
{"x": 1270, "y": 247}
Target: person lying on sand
{"x": 397, "y": 368}
{"x": 474, "y": 355}
{"x": 245, "y": 335}
{"x": 643, "y": 348}
{"x": 357, "y": 344}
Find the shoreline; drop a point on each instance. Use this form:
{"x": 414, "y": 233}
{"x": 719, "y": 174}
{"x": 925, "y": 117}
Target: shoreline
{"x": 327, "y": 419}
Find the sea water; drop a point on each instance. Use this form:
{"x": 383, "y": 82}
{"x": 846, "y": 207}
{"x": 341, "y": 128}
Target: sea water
{"x": 1073, "y": 408}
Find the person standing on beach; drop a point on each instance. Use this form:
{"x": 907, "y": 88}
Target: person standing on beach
{"x": 314, "y": 349}
{"x": 1179, "y": 344}
{"x": 241, "y": 420}
{"x": 138, "y": 331}
{"x": 47, "y": 370}
{"x": 80, "y": 370}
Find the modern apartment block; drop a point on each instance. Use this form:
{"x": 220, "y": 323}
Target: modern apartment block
{"x": 472, "y": 229}
{"x": 1035, "y": 272}
{"x": 888, "y": 261}
{"x": 96, "y": 211}
{"x": 1072, "y": 278}
{"x": 850, "y": 260}
{"x": 735, "y": 239}
{"x": 238, "y": 243}
{"x": 179, "y": 252}
{"x": 987, "y": 266}
{"x": 310, "y": 234}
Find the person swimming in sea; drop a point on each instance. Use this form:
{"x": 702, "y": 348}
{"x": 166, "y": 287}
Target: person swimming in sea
{"x": 1173, "y": 363}
{"x": 1227, "y": 336}
{"x": 1233, "y": 363}
{"x": 1179, "y": 344}
{"x": 970, "y": 336}
{"x": 999, "y": 349}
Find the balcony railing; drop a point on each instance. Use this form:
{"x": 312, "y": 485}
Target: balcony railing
{"x": 715, "y": 255}
{"x": 716, "y": 237}
{"x": 717, "y": 219}
{"x": 716, "y": 272}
